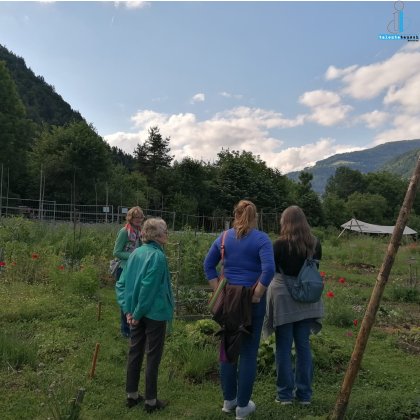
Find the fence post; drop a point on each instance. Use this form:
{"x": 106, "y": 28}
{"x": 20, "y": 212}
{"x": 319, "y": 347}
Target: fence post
{"x": 375, "y": 299}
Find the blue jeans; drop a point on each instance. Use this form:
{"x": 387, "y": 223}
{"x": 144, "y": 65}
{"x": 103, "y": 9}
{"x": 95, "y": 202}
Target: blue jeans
{"x": 237, "y": 379}
{"x": 125, "y": 328}
{"x": 300, "y": 378}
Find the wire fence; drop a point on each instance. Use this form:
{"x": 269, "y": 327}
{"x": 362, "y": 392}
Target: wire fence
{"x": 52, "y": 211}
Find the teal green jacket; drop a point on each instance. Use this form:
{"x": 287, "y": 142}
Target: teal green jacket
{"x": 144, "y": 288}
{"x": 119, "y": 247}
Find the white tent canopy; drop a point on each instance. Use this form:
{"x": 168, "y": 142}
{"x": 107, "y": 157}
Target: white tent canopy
{"x": 363, "y": 227}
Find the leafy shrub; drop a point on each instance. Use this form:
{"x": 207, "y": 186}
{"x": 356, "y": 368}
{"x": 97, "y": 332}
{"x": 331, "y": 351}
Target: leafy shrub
{"x": 339, "y": 314}
{"x": 193, "y": 300}
{"x": 193, "y": 249}
{"x": 405, "y": 294}
{"x": 267, "y": 355}
{"x": 202, "y": 332}
{"x": 84, "y": 282}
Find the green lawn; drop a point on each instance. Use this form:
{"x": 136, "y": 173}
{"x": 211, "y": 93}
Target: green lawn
{"x": 49, "y": 328}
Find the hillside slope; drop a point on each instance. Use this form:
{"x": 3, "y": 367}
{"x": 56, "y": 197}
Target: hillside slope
{"x": 369, "y": 160}
{"x": 42, "y": 103}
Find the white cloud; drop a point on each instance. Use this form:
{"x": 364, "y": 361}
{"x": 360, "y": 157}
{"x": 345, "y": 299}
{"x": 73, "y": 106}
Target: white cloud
{"x": 335, "y": 73}
{"x": 367, "y": 82}
{"x": 239, "y": 128}
{"x": 319, "y": 98}
{"x": 199, "y": 97}
{"x": 326, "y": 107}
{"x": 230, "y": 95}
{"x": 374, "y": 119}
{"x": 407, "y": 96}
{"x": 406, "y": 127}
{"x": 132, "y": 4}
{"x": 298, "y": 158}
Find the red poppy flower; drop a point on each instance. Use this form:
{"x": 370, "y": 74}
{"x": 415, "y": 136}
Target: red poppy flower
{"x": 322, "y": 273}
{"x": 330, "y": 294}
{"x": 342, "y": 280}
{"x": 355, "y": 322}
{"x": 2, "y": 264}
{"x": 35, "y": 256}
{"x": 349, "y": 334}
{"x": 61, "y": 267}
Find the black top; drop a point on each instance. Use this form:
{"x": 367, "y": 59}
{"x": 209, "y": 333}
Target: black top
{"x": 291, "y": 264}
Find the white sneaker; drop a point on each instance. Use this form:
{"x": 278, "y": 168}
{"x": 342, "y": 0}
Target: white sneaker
{"x": 244, "y": 412}
{"x": 229, "y": 406}
{"x": 283, "y": 402}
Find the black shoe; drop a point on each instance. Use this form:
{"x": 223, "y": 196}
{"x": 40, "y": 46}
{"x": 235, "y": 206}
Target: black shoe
{"x": 160, "y": 405}
{"x": 131, "y": 402}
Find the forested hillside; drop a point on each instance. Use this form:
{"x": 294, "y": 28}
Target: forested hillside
{"x": 403, "y": 164}
{"x": 42, "y": 103}
{"x": 365, "y": 161}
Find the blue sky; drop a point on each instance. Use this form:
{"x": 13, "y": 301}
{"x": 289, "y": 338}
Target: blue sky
{"x": 293, "y": 82}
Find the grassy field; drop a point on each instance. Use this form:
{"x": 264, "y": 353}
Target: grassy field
{"x": 54, "y": 279}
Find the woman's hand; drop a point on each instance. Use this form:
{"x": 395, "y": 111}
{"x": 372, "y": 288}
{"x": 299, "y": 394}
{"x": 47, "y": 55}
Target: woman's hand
{"x": 131, "y": 320}
{"x": 259, "y": 291}
{"x": 213, "y": 283}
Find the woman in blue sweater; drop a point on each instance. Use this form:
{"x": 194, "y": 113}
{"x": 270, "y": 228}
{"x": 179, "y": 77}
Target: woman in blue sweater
{"x": 248, "y": 261}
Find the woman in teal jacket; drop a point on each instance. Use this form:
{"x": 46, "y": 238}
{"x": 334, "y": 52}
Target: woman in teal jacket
{"x": 144, "y": 294}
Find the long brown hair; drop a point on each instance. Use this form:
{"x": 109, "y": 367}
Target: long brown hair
{"x": 245, "y": 214}
{"x": 295, "y": 229}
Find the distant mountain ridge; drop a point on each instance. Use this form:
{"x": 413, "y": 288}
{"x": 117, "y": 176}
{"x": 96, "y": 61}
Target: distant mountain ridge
{"x": 397, "y": 157}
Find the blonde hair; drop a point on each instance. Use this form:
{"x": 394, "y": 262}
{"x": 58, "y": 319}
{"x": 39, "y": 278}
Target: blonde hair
{"x": 134, "y": 212}
{"x": 296, "y": 231}
{"x": 245, "y": 214}
{"x": 152, "y": 229}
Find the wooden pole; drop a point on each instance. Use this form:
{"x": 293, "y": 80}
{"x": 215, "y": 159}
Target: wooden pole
{"x": 375, "y": 299}
{"x": 95, "y": 358}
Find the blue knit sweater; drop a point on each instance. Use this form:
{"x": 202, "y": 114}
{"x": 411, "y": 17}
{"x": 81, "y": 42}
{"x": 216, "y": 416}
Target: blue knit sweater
{"x": 246, "y": 259}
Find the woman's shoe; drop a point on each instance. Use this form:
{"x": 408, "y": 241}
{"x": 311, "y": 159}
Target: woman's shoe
{"x": 244, "y": 412}
{"x": 283, "y": 402}
{"x": 160, "y": 405}
{"x": 229, "y": 406}
{"x": 131, "y": 402}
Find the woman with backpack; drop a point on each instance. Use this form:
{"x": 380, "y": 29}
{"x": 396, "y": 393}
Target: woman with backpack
{"x": 291, "y": 320}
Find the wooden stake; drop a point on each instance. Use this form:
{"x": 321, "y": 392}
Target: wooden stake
{"x": 95, "y": 357}
{"x": 375, "y": 299}
{"x": 98, "y": 317}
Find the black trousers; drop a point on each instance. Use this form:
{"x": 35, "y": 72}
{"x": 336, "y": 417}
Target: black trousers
{"x": 148, "y": 336}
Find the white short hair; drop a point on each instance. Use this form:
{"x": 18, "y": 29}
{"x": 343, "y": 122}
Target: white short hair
{"x": 152, "y": 229}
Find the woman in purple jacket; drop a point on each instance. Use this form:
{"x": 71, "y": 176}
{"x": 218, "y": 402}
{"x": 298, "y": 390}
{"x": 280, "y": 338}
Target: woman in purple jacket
{"x": 248, "y": 261}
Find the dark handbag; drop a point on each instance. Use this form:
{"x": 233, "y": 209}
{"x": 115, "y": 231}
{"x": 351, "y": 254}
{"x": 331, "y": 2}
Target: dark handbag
{"x": 308, "y": 285}
{"x": 215, "y": 304}
{"x": 114, "y": 265}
